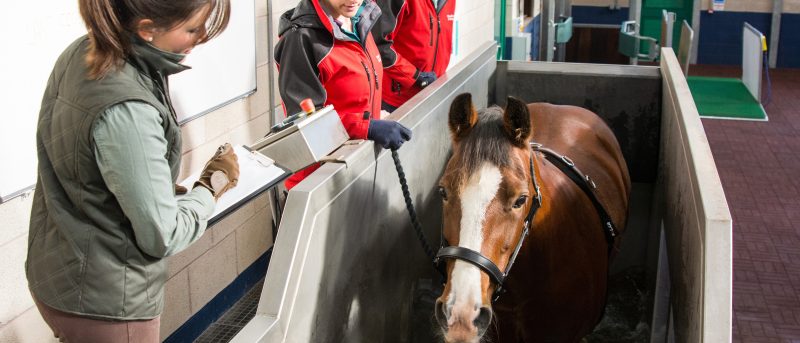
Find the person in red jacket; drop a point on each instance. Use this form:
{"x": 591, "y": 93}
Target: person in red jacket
{"x": 415, "y": 39}
{"x": 326, "y": 52}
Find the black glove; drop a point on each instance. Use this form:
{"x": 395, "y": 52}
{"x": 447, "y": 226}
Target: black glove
{"x": 425, "y": 78}
{"x": 388, "y": 133}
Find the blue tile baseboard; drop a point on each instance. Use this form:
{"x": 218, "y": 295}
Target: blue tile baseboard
{"x": 789, "y": 45}
{"x": 721, "y": 35}
{"x": 212, "y": 311}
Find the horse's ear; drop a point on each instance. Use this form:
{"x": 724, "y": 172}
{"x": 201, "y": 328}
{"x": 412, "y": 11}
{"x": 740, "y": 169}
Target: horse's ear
{"x": 462, "y": 116}
{"x": 517, "y": 122}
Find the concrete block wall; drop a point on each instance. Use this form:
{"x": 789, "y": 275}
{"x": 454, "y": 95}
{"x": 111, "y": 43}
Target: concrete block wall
{"x": 200, "y": 272}
{"x": 19, "y": 319}
{"x": 475, "y": 19}
{"x": 791, "y": 6}
{"x": 197, "y": 274}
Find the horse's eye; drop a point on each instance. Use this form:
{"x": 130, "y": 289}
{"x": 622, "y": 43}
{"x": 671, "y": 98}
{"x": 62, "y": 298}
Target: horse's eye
{"x": 443, "y": 193}
{"x": 520, "y": 201}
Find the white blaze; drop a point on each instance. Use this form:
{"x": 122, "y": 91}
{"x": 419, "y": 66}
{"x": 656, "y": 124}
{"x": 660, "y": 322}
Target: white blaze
{"x": 466, "y": 278}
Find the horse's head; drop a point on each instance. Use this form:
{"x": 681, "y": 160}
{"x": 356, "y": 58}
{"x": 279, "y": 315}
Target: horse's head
{"x": 487, "y": 192}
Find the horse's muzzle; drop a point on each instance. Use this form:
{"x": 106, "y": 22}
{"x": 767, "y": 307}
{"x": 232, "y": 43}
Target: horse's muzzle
{"x": 464, "y": 330}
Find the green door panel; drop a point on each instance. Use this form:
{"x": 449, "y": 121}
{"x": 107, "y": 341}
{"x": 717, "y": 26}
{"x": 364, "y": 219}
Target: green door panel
{"x": 651, "y": 17}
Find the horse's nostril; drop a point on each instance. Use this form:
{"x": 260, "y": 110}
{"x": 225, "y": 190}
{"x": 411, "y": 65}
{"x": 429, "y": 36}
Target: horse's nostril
{"x": 483, "y": 319}
{"x": 441, "y": 317}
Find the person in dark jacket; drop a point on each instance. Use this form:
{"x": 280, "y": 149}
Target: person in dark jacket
{"x": 104, "y": 214}
{"x": 326, "y": 52}
{"x": 415, "y": 38}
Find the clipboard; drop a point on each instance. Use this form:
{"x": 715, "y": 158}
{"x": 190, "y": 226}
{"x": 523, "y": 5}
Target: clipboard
{"x": 257, "y": 173}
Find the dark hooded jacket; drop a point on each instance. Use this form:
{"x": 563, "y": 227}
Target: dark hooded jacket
{"x": 317, "y": 60}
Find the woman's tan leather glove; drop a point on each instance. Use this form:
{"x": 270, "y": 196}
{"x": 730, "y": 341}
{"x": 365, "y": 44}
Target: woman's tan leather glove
{"x": 221, "y": 173}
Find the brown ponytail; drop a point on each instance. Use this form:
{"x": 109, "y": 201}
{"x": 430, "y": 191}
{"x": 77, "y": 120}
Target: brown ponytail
{"x": 108, "y": 41}
{"x": 112, "y": 24}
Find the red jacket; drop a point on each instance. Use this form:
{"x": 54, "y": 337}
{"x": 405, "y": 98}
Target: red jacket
{"x": 316, "y": 60}
{"x": 412, "y": 36}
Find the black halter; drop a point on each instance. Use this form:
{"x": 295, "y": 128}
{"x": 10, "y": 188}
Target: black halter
{"x": 477, "y": 259}
{"x": 567, "y": 167}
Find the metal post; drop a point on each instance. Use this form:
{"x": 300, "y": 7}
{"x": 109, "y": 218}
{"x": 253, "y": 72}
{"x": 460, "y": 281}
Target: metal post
{"x": 696, "y": 30}
{"x": 564, "y": 10}
{"x": 551, "y": 30}
{"x": 273, "y": 115}
{"x": 502, "y": 31}
{"x": 775, "y": 32}
{"x": 276, "y": 204}
{"x": 546, "y": 37}
{"x": 635, "y": 14}
{"x": 667, "y": 25}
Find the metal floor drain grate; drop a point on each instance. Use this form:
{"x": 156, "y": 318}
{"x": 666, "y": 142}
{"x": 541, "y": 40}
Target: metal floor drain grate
{"x": 218, "y": 333}
{"x": 227, "y": 326}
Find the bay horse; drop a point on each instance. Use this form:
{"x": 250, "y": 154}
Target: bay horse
{"x": 497, "y": 188}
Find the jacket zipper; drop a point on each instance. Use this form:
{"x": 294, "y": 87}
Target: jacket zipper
{"x": 438, "y": 10}
{"x": 436, "y": 48}
{"x": 374, "y": 72}
{"x": 369, "y": 82}
{"x": 430, "y": 27}
{"x": 372, "y": 90}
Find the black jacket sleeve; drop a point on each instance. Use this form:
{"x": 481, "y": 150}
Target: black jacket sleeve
{"x": 383, "y": 30}
{"x": 298, "y": 75}
{"x": 395, "y": 66}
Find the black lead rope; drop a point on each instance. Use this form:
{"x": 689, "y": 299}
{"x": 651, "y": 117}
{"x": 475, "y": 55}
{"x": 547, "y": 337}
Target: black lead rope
{"x": 413, "y": 214}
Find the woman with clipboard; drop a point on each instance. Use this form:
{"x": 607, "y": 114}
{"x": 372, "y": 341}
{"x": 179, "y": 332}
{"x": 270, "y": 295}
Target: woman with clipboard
{"x": 104, "y": 212}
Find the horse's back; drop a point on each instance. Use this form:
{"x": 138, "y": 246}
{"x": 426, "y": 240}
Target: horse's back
{"x": 564, "y": 128}
{"x": 585, "y": 138}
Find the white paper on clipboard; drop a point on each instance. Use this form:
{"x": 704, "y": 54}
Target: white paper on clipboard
{"x": 256, "y": 171}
